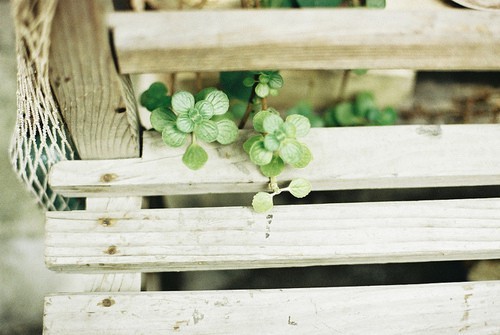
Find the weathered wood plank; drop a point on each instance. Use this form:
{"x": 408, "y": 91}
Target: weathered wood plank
{"x": 432, "y": 309}
{"x": 306, "y": 39}
{"x": 97, "y": 105}
{"x": 114, "y": 282}
{"x": 344, "y": 158}
{"x": 299, "y": 235}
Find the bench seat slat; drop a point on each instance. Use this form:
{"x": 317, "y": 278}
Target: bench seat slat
{"x": 344, "y": 158}
{"x": 317, "y": 39}
{"x": 431, "y": 309}
{"x": 301, "y": 235}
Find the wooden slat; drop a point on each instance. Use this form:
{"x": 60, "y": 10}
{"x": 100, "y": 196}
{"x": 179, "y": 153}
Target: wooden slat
{"x": 432, "y": 309}
{"x": 299, "y": 235}
{"x": 97, "y": 104}
{"x": 344, "y": 158}
{"x": 306, "y": 39}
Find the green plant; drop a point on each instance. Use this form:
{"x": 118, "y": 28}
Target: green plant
{"x": 276, "y": 143}
{"x": 184, "y": 115}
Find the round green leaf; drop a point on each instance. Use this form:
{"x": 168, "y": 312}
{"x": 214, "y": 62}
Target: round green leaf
{"x": 274, "y": 168}
{"x": 363, "y": 103}
{"x": 300, "y": 187}
{"x": 219, "y": 101}
{"x": 206, "y": 131}
{"x": 271, "y": 142}
{"x": 248, "y": 143}
{"x": 160, "y": 117}
{"x": 262, "y": 90}
{"x": 272, "y": 123}
{"x": 248, "y": 81}
{"x": 227, "y": 131}
{"x": 195, "y": 157}
{"x": 182, "y": 102}
{"x": 258, "y": 120}
{"x": 155, "y": 96}
{"x": 288, "y": 130}
{"x": 201, "y": 95}
{"x": 264, "y": 78}
{"x": 388, "y": 116}
{"x": 262, "y": 202}
{"x": 301, "y": 123}
{"x": 259, "y": 155}
{"x": 305, "y": 157}
{"x": 184, "y": 123}
{"x": 205, "y": 108}
{"x": 276, "y": 81}
{"x": 344, "y": 115}
{"x": 172, "y": 136}
{"x": 290, "y": 151}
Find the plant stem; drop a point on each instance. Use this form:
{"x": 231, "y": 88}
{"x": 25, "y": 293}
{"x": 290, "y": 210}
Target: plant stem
{"x": 245, "y": 117}
{"x": 273, "y": 185}
{"x": 263, "y": 101}
{"x": 199, "y": 81}
{"x": 343, "y": 85}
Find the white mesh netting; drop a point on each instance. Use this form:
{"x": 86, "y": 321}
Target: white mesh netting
{"x": 40, "y": 139}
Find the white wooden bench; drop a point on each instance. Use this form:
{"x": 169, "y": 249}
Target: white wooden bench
{"x": 115, "y": 239}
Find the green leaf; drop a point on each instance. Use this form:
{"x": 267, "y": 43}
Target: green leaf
{"x": 360, "y": 72}
{"x": 305, "y": 157}
{"x": 262, "y": 202}
{"x": 303, "y": 107}
{"x": 275, "y": 81}
{"x": 155, "y": 96}
{"x": 184, "y": 123}
{"x": 237, "y": 109}
{"x": 182, "y": 102}
{"x": 289, "y": 130}
{"x": 195, "y": 157}
{"x": 172, "y": 136}
{"x": 259, "y": 155}
{"x": 319, "y": 3}
{"x": 375, "y": 3}
{"x": 248, "y": 82}
{"x": 271, "y": 142}
{"x": 290, "y": 151}
{"x": 344, "y": 115}
{"x": 388, "y": 116}
{"x": 300, "y": 187}
{"x": 201, "y": 95}
{"x": 301, "y": 123}
{"x": 262, "y": 90}
{"x": 258, "y": 120}
{"x": 264, "y": 78}
{"x": 248, "y": 143}
{"x": 227, "y": 131}
{"x": 219, "y": 101}
{"x": 272, "y": 123}
{"x": 206, "y": 131}
{"x": 274, "y": 168}
{"x": 205, "y": 108}
{"x": 363, "y": 102}
{"x": 160, "y": 117}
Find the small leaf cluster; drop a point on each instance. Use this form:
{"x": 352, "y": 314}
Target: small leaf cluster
{"x": 277, "y": 144}
{"x": 263, "y": 201}
{"x": 268, "y": 83}
{"x": 184, "y": 115}
{"x": 361, "y": 111}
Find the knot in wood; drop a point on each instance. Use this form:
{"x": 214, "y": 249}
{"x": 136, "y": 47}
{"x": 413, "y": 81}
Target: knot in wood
{"x": 107, "y": 302}
{"x": 108, "y": 177}
{"x": 111, "y": 250}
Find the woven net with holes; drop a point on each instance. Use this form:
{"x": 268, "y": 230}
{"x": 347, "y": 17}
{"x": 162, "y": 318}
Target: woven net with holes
{"x": 40, "y": 139}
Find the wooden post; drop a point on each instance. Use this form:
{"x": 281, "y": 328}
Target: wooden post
{"x": 97, "y": 104}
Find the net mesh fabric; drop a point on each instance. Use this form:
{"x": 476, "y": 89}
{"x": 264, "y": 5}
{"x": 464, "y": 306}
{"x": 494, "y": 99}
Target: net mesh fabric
{"x": 39, "y": 139}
